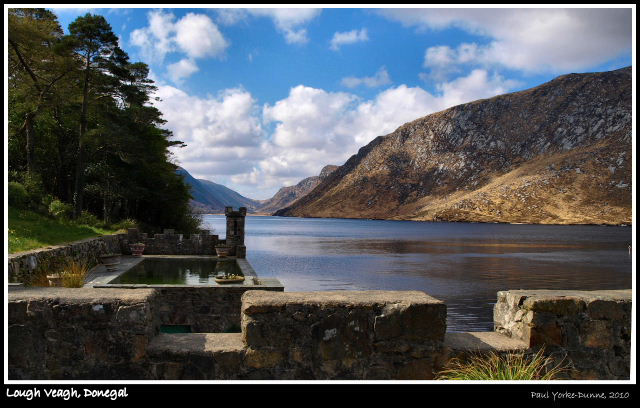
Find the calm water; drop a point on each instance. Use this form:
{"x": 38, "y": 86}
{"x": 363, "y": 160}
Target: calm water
{"x": 177, "y": 272}
{"x": 462, "y": 264}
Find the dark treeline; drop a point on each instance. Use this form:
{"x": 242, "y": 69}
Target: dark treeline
{"x": 82, "y": 133}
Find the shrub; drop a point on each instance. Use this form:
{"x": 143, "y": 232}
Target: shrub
{"x": 18, "y": 196}
{"x": 86, "y": 218}
{"x": 511, "y": 366}
{"x": 74, "y": 274}
{"x": 60, "y": 209}
{"x": 33, "y": 184}
{"x": 47, "y": 200}
{"x": 124, "y": 224}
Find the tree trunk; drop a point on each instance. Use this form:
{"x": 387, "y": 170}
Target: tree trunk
{"x": 79, "y": 182}
{"x": 30, "y": 136}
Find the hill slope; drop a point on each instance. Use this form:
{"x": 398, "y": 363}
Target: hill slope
{"x": 210, "y": 197}
{"x": 557, "y": 153}
{"x": 288, "y": 195}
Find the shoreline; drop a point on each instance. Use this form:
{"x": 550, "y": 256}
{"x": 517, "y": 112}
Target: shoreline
{"x": 428, "y": 221}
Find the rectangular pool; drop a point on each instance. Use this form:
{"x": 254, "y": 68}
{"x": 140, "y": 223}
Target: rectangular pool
{"x": 177, "y": 271}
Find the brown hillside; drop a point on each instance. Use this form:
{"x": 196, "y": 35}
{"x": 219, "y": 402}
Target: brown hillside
{"x": 557, "y": 153}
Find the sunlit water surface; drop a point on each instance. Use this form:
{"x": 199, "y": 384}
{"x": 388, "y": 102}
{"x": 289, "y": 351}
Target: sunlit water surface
{"x": 459, "y": 263}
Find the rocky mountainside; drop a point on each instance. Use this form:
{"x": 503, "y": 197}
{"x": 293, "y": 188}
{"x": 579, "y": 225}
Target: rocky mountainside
{"x": 288, "y": 195}
{"x": 210, "y": 197}
{"x": 558, "y": 153}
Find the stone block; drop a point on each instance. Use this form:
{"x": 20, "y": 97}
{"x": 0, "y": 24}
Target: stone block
{"x": 560, "y": 306}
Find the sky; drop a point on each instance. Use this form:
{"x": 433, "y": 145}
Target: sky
{"x": 266, "y": 97}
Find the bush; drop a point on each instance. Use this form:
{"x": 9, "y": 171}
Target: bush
{"x": 124, "y": 224}
{"x": 33, "y": 184}
{"x": 74, "y": 274}
{"x": 86, "y": 218}
{"x": 59, "y": 209}
{"x": 512, "y": 366}
{"x": 18, "y": 196}
{"x": 47, "y": 200}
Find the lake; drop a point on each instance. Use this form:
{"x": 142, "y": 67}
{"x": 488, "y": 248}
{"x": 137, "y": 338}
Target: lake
{"x": 463, "y": 264}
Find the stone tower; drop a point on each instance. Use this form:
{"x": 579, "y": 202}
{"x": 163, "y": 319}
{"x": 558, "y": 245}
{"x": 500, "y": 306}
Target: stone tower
{"x": 235, "y": 231}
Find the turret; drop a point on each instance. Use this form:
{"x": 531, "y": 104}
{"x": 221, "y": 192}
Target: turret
{"x": 235, "y": 231}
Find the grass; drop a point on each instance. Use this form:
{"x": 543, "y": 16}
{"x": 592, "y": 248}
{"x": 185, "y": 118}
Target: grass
{"x": 30, "y": 230}
{"x": 512, "y": 366}
{"x": 74, "y": 274}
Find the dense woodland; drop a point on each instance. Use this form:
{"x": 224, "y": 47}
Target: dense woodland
{"x": 84, "y": 140}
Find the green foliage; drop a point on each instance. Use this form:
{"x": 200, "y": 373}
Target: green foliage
{"x": 124, "y": 224}
{"x": 82, "y": 131}
{"x": 18, "y": 196}
{"x": 86, "y": 218}
{"x": 511, "y": 366}
{"x": 33, "y": 184}
{"x": 29, "y": 230}
{"x": 59, "y": 209}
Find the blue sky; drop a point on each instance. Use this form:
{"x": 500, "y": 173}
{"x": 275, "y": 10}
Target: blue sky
{"x": 266, "y": 97}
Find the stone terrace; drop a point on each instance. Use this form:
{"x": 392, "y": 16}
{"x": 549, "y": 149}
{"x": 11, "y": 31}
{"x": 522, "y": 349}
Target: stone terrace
{"x": 113, "y": 334}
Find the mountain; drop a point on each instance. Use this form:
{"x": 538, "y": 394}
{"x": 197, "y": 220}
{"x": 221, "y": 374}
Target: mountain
{"x": 559, "y": 153}
{"x": 288, "y": 195}
{"x": 210, "y": 197}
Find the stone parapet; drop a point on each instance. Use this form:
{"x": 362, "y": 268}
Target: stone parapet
{"x": 61, "y": 333}
{"x": 593, "y": 328}
{"x": 107, "y": 333}
{"x": 171, "y": 243}
{"x": 23, "y": 265}
{"x": 206, "y": 309}
{"x": 342, "y": 335}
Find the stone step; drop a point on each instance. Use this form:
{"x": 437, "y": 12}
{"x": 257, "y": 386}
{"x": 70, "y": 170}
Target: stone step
{"x": 482, "y": 342}
{"x": 196, "y": 343}
{"x": 196, "y": 356}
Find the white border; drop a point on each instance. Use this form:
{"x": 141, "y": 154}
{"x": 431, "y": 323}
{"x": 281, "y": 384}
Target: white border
{"x": 632, "y": 379}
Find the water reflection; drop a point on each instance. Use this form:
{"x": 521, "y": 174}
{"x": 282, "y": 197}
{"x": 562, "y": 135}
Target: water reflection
{"x": 462, "y": 264}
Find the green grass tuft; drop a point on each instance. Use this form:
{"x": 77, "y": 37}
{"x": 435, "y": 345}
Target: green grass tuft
{"x": 30, "y": 230}
{"x": 512, "y": 366}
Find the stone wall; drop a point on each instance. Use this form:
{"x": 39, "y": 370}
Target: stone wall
{"x": 60, "y": 333}
{"x": 170, "y": 243}
{"x": 342, "y": 335}
{"x": 23, "y": 265}
{"x": 313, "y": 335}
{"x": 592, "y": 328}
{"x": 206, "y": 309}
{"x": 91, "y": 333}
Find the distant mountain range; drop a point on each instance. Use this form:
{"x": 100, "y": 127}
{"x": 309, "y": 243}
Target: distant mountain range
{"x": 559, "y": 153}
{"x": 288, "y": 195}
{"x": 210, "y": 197}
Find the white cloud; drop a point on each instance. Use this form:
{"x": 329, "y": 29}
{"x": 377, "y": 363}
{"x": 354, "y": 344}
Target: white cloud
{"x": 477, "y": 85}
{"x": 223, "y": 132}
{"x": 199, "y": 37}
{"x": 182, "y": 69}
{"x": 348, "y": 37}
{"x": 230, "y": 16}
{"x": 532, "y": 40}
{"x": 194, "y": 35}
{"x": 228, "y": 140}
{"x": 379, "y": 79}
{"x": 289, "y": 21}
{"x": 155, "y": 41}
{"x": 444, "y": 60}
{"x": 307, "y": 116}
